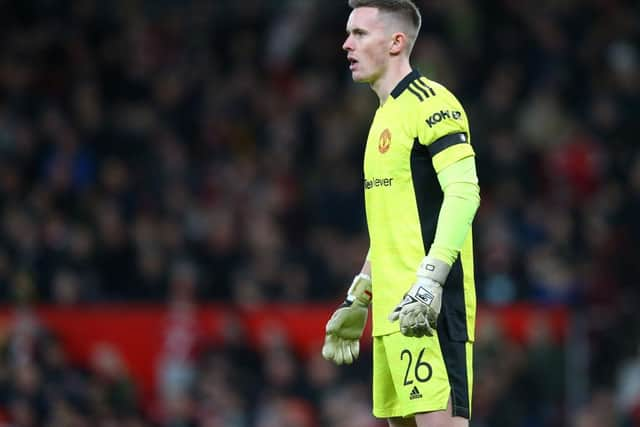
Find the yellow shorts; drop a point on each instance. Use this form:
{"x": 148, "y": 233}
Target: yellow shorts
{"x": 415, "y": 375}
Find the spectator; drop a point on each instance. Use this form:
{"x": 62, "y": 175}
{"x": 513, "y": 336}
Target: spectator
{"x": 136, "y": 134}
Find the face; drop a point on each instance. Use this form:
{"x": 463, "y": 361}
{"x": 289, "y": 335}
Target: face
{"x": 367, "y": 44}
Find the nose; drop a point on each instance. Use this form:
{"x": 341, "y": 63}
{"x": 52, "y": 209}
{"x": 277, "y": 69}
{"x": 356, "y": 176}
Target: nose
{"x": 347, "y": 45}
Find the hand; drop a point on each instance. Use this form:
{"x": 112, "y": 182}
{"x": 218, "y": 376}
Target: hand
{"x": 342, "y": 341}
{"x": 419, "y": 310}
{"x": 345, "y": 327}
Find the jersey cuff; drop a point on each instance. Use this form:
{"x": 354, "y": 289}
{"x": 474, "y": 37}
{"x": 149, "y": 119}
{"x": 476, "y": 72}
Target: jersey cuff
{"x": 451, "y": 155}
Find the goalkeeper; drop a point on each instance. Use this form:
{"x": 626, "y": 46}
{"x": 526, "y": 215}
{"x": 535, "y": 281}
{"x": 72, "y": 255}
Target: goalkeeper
{"x": 421, "y": 195}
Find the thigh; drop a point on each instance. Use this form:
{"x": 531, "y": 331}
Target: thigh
{"x": 440, "y": 419}
{"x": 385, "y": 400}
{"x": 409, "y": 376}
{"x": 419, "y": 373}
{"x": 402, "y": 422}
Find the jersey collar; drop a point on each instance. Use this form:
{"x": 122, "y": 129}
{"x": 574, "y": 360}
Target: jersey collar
{"x": 404, "y": 83}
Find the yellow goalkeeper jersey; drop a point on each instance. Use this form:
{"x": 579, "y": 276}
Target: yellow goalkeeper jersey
{"x": 419, "y": 130}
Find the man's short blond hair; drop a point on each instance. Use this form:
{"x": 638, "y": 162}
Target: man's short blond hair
{"x": 404, "y": 10}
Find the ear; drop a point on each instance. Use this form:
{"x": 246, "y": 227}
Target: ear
{"x": 398, "y": 43}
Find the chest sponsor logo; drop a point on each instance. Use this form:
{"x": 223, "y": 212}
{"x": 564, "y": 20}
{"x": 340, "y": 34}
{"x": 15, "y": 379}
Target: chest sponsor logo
{"x": 441, "y": 115}
{"x": 377, "y": 182}
{"x": 384, "y": 142}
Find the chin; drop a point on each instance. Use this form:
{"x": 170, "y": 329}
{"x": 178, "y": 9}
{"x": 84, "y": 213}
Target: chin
{"x": 359, "y": 78}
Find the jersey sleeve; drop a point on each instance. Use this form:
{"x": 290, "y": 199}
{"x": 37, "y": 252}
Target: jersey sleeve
{"x": 443, "y": 128}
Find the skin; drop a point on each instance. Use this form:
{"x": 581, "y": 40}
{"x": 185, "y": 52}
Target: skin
{"x": 430, "y": 419}
{"x": 378, "y": 53}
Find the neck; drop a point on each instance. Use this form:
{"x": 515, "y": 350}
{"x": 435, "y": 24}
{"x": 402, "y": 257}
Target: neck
{"x": 392, "y": 76}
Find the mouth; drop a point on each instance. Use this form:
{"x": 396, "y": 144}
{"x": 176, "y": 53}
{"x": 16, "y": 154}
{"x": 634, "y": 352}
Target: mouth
{"x": 352, "y": 63}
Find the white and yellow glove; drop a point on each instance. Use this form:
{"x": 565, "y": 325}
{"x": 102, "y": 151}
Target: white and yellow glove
{"x": 419, "y": 310}
{"x": 345, "y": 327}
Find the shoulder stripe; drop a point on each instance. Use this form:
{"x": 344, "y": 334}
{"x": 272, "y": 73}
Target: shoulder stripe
{"x": 447, "y": 141}
{"x": 426, "y": 86}
{"x": 420, "y": 88}
{"x": 413, "y": 91}
{"x": 404, "y": 83}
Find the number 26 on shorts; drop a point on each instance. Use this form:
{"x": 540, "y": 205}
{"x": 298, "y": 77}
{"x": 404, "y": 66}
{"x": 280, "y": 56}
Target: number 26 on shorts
{"x": 421, "y": 371}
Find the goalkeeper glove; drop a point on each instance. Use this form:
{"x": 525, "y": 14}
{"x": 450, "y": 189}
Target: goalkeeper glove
{"x": 344, "y": 328}
{"x": 418, "y": 311}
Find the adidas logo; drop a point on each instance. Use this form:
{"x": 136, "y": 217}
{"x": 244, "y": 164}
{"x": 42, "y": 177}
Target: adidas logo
{"x": 415, "y": 393}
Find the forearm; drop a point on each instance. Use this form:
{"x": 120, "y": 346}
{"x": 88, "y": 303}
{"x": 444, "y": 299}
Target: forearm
{"x": 366, "y": 266}
{"x": 459, "y": 184}
{"x": 360, "y": 289}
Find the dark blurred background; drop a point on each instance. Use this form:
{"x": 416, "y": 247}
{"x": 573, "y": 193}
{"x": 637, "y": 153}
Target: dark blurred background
{"x": 174, "y": 153}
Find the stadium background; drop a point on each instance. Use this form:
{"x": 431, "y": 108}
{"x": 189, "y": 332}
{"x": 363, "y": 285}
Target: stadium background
{"x": 181, "y": 209}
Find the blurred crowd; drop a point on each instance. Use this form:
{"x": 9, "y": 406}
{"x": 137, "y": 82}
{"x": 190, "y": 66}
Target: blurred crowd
{"x": 233, "y": 382}
{"x": 144, "y": 142}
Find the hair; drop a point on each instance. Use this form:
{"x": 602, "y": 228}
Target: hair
{"x": 405, "y": 10}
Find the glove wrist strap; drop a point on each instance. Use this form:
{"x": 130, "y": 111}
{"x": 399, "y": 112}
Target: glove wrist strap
{"x": 434, "y": 269}
{"x": 360, "y": 291}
